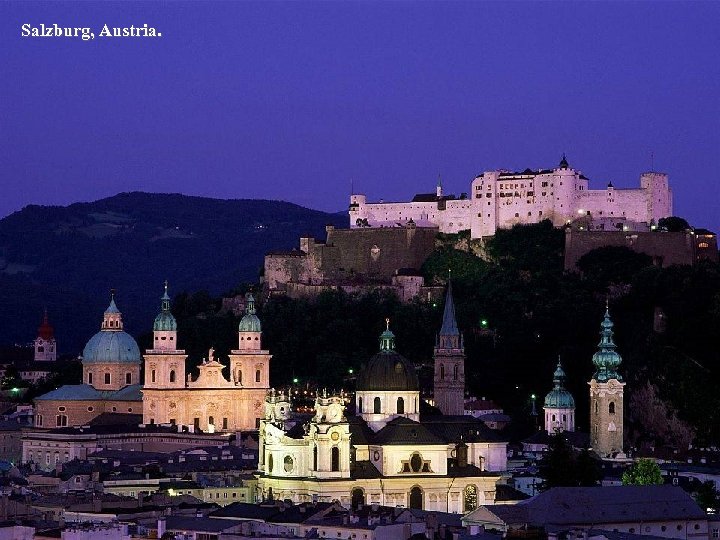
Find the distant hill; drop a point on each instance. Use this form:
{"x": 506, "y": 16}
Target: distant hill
{"x": 68, "y": 258}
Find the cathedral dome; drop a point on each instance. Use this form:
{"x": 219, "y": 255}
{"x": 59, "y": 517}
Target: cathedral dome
{"x": 387, "y": 370}
{"x": 111, "y": 344}
{"x": 118, "y": 347}
{"x": 250, "y": 321}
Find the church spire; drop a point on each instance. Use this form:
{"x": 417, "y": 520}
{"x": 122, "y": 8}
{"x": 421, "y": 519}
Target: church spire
{"x": 449, "y": 324}
{"x": 606, "y": 359}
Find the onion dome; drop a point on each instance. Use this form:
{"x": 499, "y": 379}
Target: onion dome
{"x": 250, "y": 321}
{"x": 111, "y": 344}
{"x": 165, "y": 322}
{"x": 559, "y": 398}
{"x": 564, "y": 163}
{"x": 606, "y": 359}
{"x": 387, "y": 370}
{"x": 45, "y": 330}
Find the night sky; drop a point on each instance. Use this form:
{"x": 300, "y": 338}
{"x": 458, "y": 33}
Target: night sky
{"x": 292, "y": 101}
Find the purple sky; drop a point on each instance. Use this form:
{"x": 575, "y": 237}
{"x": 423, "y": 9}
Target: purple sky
{"x": 292, "y": 101}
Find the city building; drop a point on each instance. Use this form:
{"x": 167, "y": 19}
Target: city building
{"x": 386, "y": 453}
{"x": 210, "y": 402}
{"x": 449, "y": 355}
{"x": 501, "y": 199}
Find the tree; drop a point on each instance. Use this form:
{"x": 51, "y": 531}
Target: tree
{"x": 673, "y": 224}
{"x": 707, "y": 496}
{"x": 644, "y": 472}
{"x": 561, "y": 467}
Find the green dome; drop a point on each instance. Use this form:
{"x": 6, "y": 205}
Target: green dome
{"x": 387, "y": 370}
{"x": 165, "y": 322}
{"x": 250, "y": 322}
{"x": 559, "y": 398}
{"x": 606, "y": 360}
{"x": 113, "y": 347}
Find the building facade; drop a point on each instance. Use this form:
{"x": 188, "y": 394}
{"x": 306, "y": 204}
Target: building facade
{"x": 559, "y": 406}
{"x": 211, "y": 401}
{"x": 501, "y": 199}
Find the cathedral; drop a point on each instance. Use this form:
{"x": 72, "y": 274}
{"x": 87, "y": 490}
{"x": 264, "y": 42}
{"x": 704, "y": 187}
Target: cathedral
{"x": 385, "y": 453}
{"x": 111, "y": 364}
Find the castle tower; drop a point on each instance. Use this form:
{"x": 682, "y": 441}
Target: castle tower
{"x": 164, "y": 363}
{"x": 111, "y": 358}
{"x": 387, "y": 386}
{"x": 449, "y": 380}
{"x": 559, "y": 405}
{"x": 250, "y": 365}
{"x": 606, "y": 395}
{"x": 45, "y": 350}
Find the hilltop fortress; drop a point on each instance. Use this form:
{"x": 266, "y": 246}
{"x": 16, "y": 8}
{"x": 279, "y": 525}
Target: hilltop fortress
{"x": 501, "y": 199}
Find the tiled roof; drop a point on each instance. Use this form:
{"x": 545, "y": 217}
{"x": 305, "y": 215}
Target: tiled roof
{"x": 453, "y": 429}
{"x": 76, "y": 392}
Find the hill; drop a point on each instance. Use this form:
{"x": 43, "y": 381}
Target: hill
{"x": 68, "y": 258}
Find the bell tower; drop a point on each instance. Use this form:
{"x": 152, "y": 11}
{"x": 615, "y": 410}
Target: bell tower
{"x": 165, "y": 363}
{"x": 329, "y": 436}
{"x": 45, "y": 349}
{"x": 606, "y": 395}
{"x": 449, "y": 380}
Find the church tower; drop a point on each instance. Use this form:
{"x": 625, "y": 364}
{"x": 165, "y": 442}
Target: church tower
{"x": 165, "y": 363}
{"x": 606, "y": 395}
{"x": 449, "y": 381}
{"x": 559, "y": 405}
{"x": 250, "y": 366}
{"x": 45, "y": 350}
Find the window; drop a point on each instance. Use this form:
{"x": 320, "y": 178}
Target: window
{"x": 91, "y": 409}
{"x": 357, "y": 498}
{"x": 128, "y": 378}
{"x": 288, "y": 463}
{"x": 107, "y": 378}
{"x": 442, "y": 371}
{"x": 611, "y": 408}
{"x": 334, "y": 458}
{"x": 211, "y": 421}
{"x": 471, "y": 498}
{"x": 152, "y": 375}
{"x": 376, "y": 405}
{"x": 416, "y": 462}
{"x": 360, "y": 405}
{"x": 89, "y": 378}
{"x": 61, "y": 420}
{"x": 455, "y": 372}
{"x": 400, "y": 405}
{"x": 225, "y": 423}
{"x": 416, "y": 498}
{"x": 315, "y": 458}
{"x": 172, "y": 375}
{"x": 257, "y": 375}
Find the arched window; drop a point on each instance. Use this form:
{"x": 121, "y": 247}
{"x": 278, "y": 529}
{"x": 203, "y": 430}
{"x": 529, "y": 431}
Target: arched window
{"x": 442, "y": 371}
{"x": 315, "y": 452}
{"x": 359, "y": 405}
{"x": 400, "y": 405}
{"x": 471, "y": 498}
{"x": 553, "y": 417}
{"x": 335, "y": 459}
{"x": 152, "y": 375}
{"x": 107, "y": 378}
{"x": 416, "y": 498}
{"x": 611, "y": 408}
{"x": 128, "y": 378}
{"x": 455, "y": 372}
{"x": 357, "y": 498}
{"x": 239, "y": 376}
{"x": 172, "y": 375}
{"x": 211, "y": 421}
{"x": 564, "y": 417}
{"x": 257, "y": 375}
{"x": 376, "y": 405}
{"x": 90, "y": 378}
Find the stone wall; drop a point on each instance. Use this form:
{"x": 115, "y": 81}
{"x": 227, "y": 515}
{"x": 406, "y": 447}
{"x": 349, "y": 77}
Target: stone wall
{"x": 666, "y": 248}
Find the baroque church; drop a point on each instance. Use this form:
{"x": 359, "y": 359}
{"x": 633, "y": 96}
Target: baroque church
{"x": 385, "y": 453}
{"x": 111, "y": 364}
